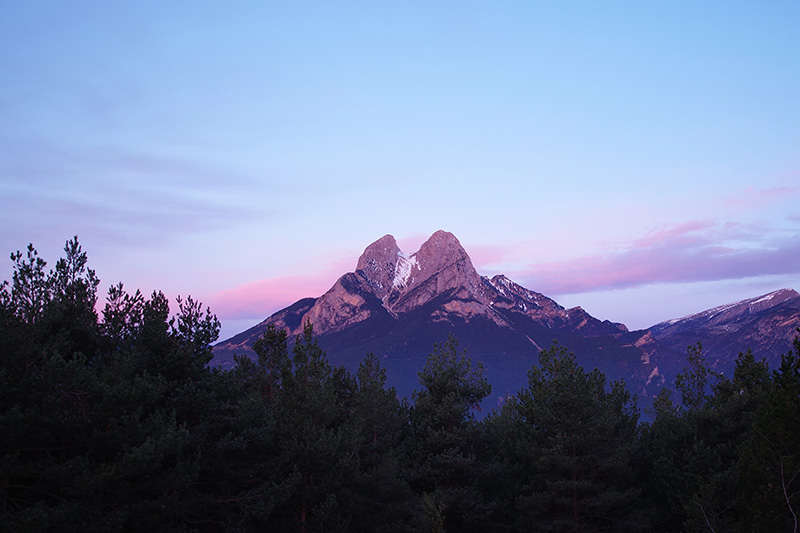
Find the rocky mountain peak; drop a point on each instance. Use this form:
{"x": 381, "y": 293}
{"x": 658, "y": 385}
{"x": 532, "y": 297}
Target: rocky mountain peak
{"x": 440, "y": 250}
{"x": 511, "y": 289}
{"x": 400, "y": 282}
{"x": 440, "y": 265}
{"x": 378, "y": 265}
{"x": 443, "y": 251}
{"x": 775, "y": 298}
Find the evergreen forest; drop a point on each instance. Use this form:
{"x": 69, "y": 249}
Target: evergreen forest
{"x": 112, "y": 420}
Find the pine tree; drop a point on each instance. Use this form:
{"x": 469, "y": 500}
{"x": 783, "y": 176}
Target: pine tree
{"x": 770, "y": 464}
{"x": 722, "y": 429}
{"x": 689, "y": 454}
{"x": 444, "y": 434}
{"x": 96, "y": 434}
{"x": 48, "y": 342}
{"x": 579, "y": 445}
{"x": 314, "y": 443}
{"x": 378, "y": 498}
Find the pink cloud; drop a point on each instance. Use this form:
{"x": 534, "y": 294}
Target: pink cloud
{"x": 686, "y": 233}
{"x": 490, "y": 254}
{"x": 263, "y": 297}
{"x": 694, "y": 251}
{"x": 698, "y": 250}
{"x": 752, "y": 198}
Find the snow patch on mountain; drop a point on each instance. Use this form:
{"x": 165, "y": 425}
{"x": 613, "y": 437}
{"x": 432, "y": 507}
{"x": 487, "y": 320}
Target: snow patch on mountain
{"x": 507, "y": 288}
{"x": 750, "y": 305}
{"x": 402, "y": 271}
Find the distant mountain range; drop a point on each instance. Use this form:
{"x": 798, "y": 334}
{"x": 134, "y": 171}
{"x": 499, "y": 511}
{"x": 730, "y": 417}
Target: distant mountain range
{"x": 397, "y": 305}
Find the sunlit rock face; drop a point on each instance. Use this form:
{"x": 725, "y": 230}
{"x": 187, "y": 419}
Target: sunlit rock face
{"x": 343, "y": 305}
{"x": 441, "y": 266}
{"x": 401, "y": 283}
{"x": 396, "y": 305}
{"x": 378, "y": 264}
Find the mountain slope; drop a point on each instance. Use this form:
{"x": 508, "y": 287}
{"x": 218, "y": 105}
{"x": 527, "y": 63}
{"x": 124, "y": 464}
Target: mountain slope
{"x": 765, "y": 324}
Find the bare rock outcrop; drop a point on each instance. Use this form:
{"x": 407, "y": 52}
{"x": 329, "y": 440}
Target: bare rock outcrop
{"x": 440, "y": 266}
{"x": 378, "y": 265}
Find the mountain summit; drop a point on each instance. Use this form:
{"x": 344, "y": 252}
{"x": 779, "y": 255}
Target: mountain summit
{"x": 397, "y": 305}
{"x": 404, "y": 282}
{"x": 388, "y": 281}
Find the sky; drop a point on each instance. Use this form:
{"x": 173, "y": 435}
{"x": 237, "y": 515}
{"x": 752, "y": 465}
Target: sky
{"x": 638, "y": 159}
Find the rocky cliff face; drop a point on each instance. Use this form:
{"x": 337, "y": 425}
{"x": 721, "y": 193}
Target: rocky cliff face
{"x": 440, "y": 266}
{"x": 378, "y": 265}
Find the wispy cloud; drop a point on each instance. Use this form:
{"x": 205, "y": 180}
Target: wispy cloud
{"x": 754, "y": 198}
{"x": 122, "y": 197}
{"x": 260, "y": 298}
{"x": 699, "y": 250}
{"x": 487, "y": 255}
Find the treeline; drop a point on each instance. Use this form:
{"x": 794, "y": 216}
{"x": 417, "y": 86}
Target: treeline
{"x": 115, "y": 422}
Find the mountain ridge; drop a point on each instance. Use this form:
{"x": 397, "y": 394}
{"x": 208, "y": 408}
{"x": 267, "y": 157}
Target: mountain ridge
{"x": 398, "y": 305}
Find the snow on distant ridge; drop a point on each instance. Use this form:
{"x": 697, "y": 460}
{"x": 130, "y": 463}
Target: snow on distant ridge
{"x": 711, "y": 313}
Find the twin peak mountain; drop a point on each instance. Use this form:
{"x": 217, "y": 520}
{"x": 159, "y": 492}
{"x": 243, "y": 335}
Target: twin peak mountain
{"x": 397, "y": 306}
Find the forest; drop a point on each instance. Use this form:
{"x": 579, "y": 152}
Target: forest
{"x": 112, "y": 420}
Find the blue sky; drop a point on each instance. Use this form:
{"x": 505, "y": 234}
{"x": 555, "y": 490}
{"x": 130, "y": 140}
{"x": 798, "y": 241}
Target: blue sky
{"x": 638, "y": 160}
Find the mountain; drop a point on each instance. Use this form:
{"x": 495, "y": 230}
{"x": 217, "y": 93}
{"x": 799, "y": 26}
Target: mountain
{"x": 765, "y": 324}
{"x": 397, "y": 305}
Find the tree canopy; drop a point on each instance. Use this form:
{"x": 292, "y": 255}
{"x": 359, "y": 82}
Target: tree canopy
{"x": 114, "y": 421}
